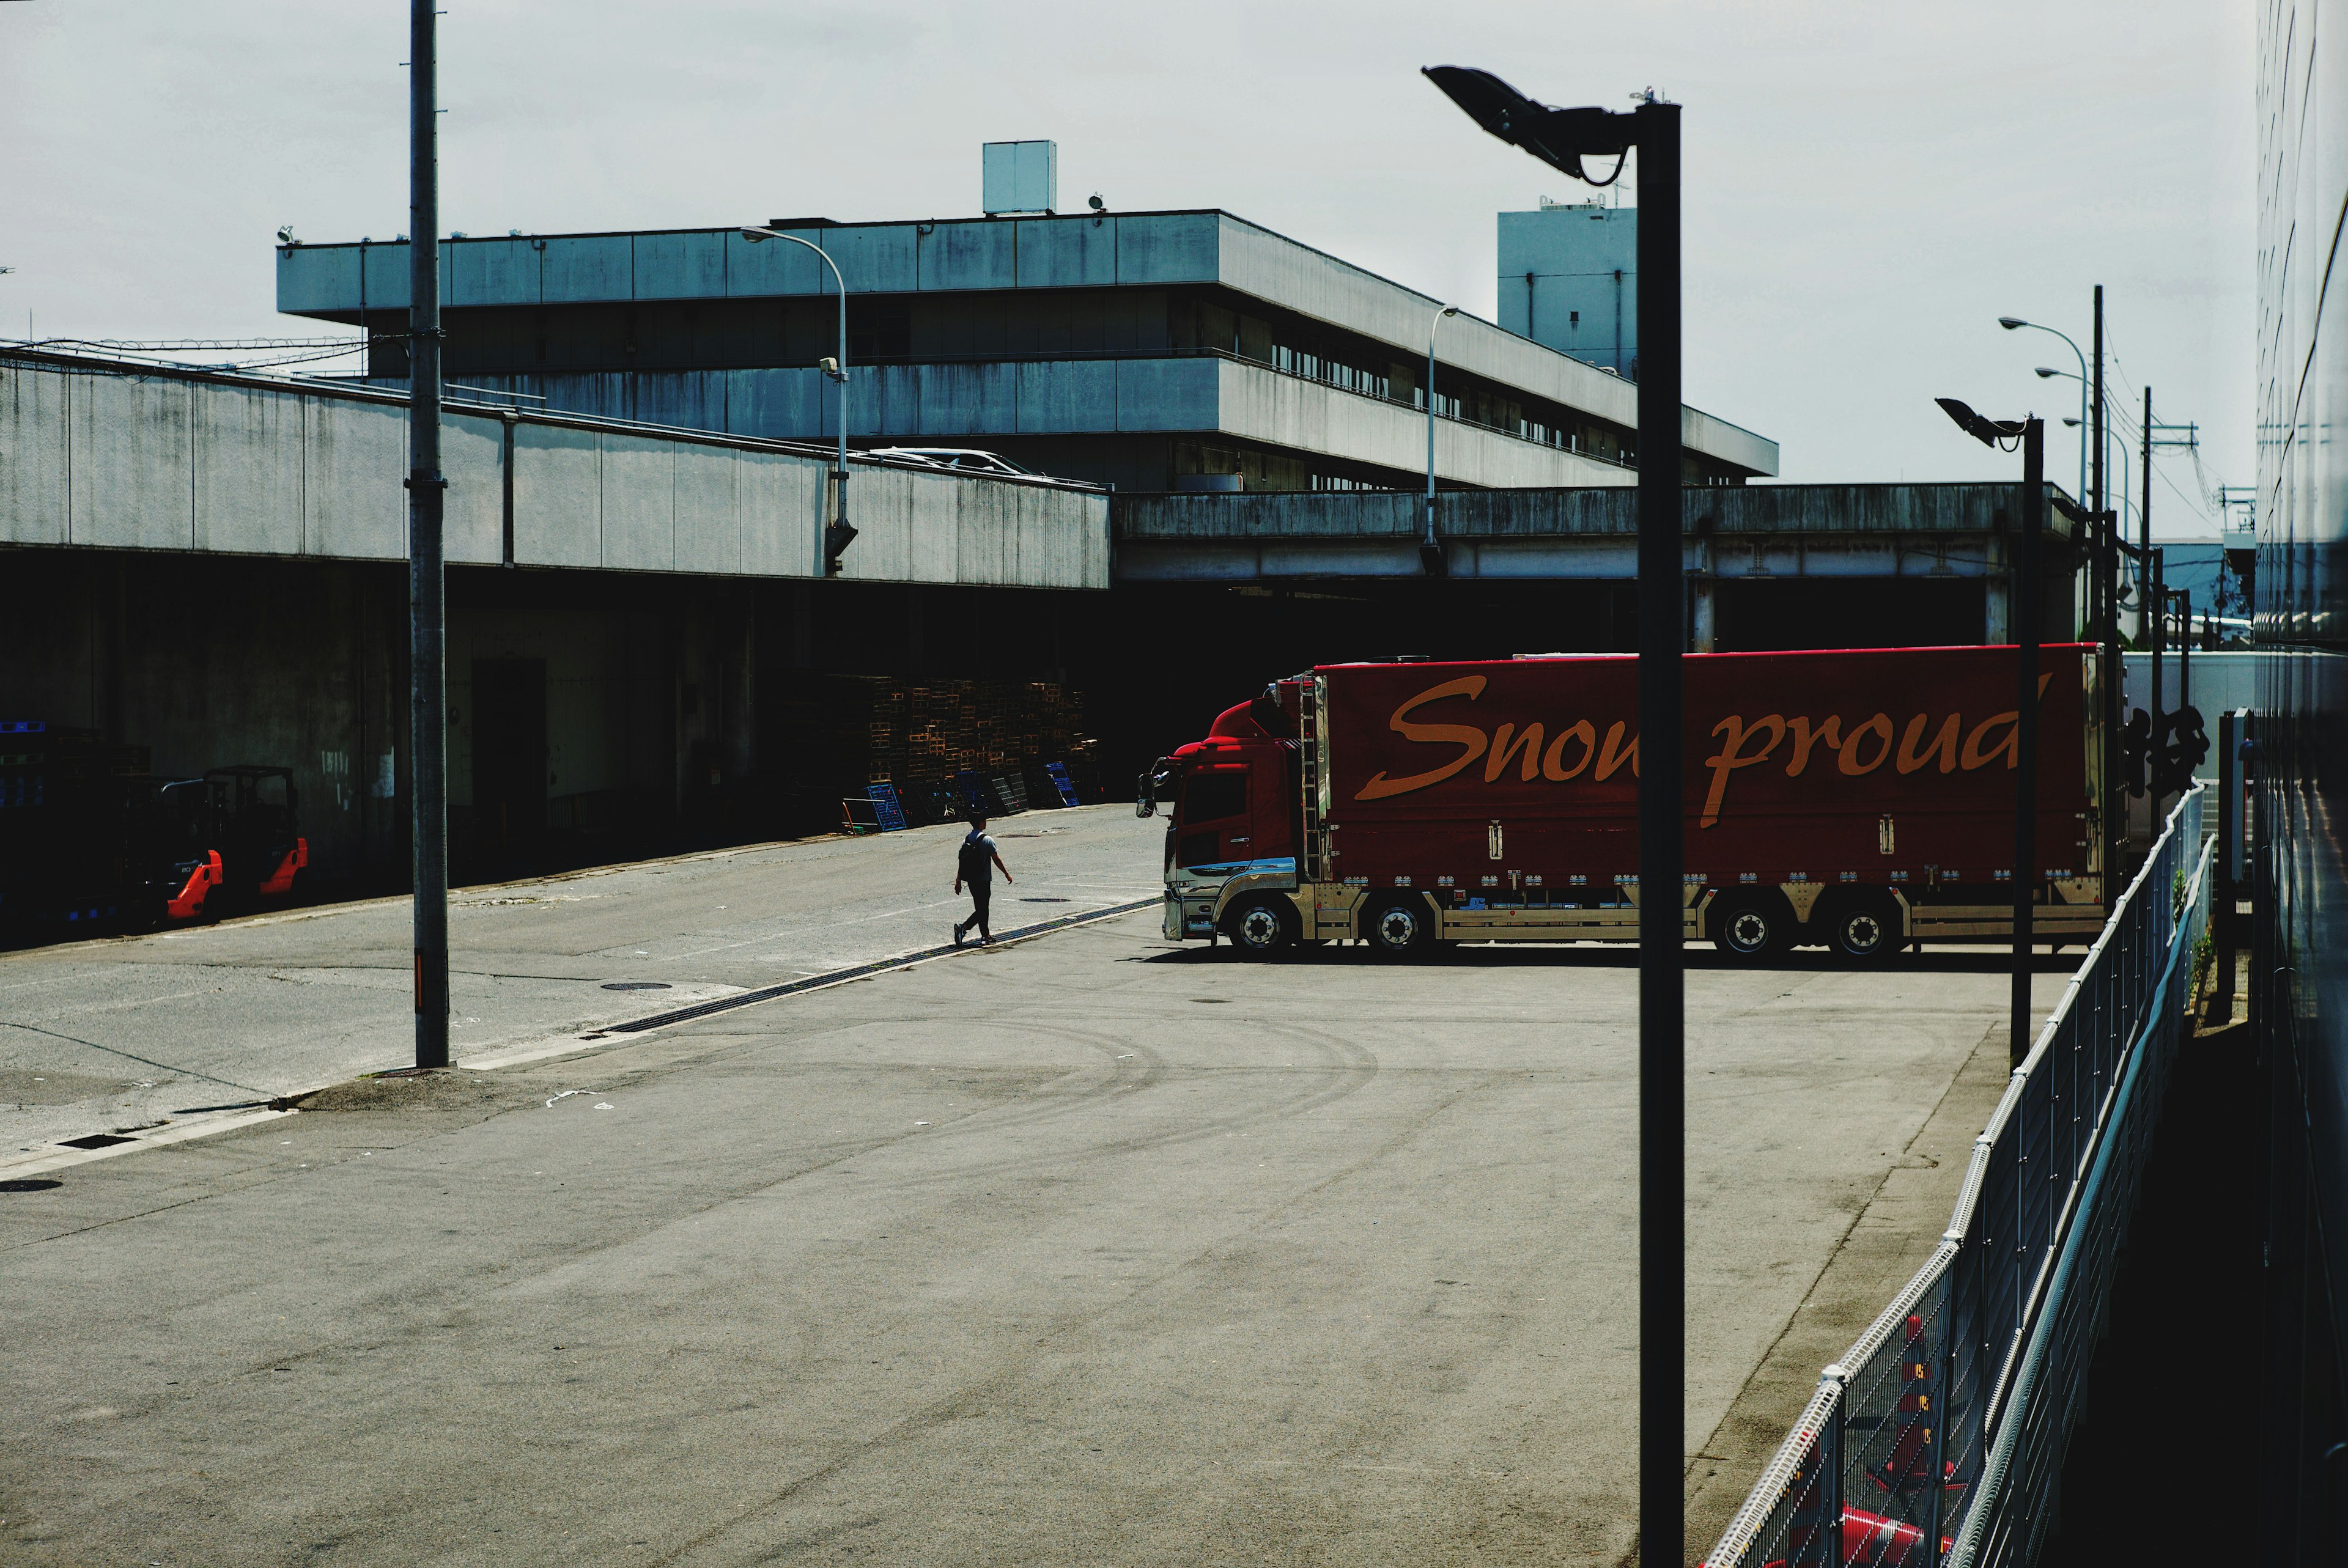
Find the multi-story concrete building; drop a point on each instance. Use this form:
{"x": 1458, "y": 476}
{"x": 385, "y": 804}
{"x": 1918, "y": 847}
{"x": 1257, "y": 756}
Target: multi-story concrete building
{"x": 1153, "y": 351}
{"x": 1569, "y": 281}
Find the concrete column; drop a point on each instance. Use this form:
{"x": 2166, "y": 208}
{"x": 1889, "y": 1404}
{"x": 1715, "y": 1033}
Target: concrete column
{"x": 1701, "y": 625}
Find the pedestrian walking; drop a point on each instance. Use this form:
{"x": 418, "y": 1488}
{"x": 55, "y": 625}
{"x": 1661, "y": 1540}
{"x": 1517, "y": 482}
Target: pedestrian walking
{"x": 976, "y": 863}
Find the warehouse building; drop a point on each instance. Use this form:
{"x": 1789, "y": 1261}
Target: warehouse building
{"x": 1150, "y": 351}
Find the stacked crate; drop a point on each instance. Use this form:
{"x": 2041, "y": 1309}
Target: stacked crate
{"x": 920, "y": 734}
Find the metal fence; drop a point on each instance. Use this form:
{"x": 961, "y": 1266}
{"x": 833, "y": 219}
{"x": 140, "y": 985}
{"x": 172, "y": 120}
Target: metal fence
{"x": 1940, "y": 1434}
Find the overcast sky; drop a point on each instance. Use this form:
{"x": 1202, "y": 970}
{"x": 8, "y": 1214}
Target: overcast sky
{"x": 1868, "y": 185}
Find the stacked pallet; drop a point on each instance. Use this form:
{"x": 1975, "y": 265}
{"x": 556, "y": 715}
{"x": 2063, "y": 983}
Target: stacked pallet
{"x": 919, "y": 734}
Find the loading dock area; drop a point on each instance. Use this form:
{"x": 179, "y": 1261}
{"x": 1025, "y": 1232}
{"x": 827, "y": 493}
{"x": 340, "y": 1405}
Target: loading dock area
{"x": 1328, "y": 1258}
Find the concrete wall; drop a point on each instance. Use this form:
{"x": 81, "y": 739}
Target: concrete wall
{"x": 93, "y": 455}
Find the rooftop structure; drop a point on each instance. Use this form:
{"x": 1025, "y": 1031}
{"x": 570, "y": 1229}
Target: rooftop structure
{"x": 1569, "y": 281}
{"x": 1154, "y": 351}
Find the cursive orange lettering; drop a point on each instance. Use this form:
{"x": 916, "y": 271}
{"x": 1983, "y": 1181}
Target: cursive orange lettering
{"x": 1503, "y": 748}
{"x": 1846, "y": 755}
{"x": 1732, "y": 756}
{"x": 1944, "y": 744}
{"x": 1470, "y": 739}
{"x": 1553, "y": 764}
{"x": 1610, "y": 761}
{"x": 1805, "y": 737}
{"x": 1975, "y": 757}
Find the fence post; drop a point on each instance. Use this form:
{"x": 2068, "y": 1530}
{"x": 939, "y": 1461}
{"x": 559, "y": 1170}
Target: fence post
{"x": 1830, "y": 1459}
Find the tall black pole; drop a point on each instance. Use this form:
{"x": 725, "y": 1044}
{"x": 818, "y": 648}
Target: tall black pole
{"x": 2146, "y": 611}
{"x": 1663, "y": 588}
{"x": 2112, "y": 809}
{"x": 427, "y": 607}
{"x": 2029, "y": 610}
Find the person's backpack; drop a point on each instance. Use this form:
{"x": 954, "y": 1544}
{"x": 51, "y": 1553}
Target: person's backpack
{"x": 972, "y": 866}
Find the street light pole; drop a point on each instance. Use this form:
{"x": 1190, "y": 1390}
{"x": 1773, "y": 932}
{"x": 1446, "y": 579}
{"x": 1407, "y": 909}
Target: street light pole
{"x": 1663, "y": 1047}
{"x": 2012, "y": 323}
{"x": 838, "y": 535}
{"x": 1430, "y": 554}
{"x": 427, "y": 610}
{"x": 2028, "y": 609}
{"x": 1563, "y": 138}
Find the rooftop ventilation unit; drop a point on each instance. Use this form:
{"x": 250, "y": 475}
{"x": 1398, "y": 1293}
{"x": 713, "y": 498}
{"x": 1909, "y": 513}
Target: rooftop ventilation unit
{"x": 1021, "y": 177}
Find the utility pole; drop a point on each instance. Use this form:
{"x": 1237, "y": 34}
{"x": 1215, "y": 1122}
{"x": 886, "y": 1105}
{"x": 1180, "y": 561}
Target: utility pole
{"x": 427, "y": 607}
{"x": 2029, "y": 609}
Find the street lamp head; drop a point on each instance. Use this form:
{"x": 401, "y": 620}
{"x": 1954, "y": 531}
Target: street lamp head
{"x": 2045, "y": 371}
{"x": 1451, "y": 309}
{"x": 1988, "y": 432}
{"x": 2069, "y": 422}
{"x": 2010, "y": 323}
{"x": 754, "y": 234}
{"x": 1559, "y": 138}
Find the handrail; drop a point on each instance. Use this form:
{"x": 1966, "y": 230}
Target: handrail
{"x": 1928, "y": 1416}
{"x": 1991, "y": 1493}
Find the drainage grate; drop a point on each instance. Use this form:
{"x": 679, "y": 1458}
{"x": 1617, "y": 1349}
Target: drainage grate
{"x": 1024, "y": 900}
{"x": 833, "y": 978}
{"x": 637, "y": 986}
{"x": 94, "y": 1140}
{"x": 30, "y": 1185}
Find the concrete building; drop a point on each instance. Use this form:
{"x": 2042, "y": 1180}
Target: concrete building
{"x": 1152, "y": 351}
{"x": 640, "y": 631}
{"x": 2297, "y": 1120}
{"x": 1569, "y": 281}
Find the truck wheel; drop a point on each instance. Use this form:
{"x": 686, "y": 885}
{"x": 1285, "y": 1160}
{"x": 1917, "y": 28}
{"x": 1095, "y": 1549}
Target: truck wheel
{"x": 1865, "y": 933}
{"x": 1399, "y": 929}
{"x": 1259, "y": 927}
{"x": 1754, "y": 929}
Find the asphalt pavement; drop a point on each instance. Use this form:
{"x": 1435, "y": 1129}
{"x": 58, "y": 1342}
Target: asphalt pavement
{"x": 146, "y": 1034}
{"x": 1085, "y": 1249}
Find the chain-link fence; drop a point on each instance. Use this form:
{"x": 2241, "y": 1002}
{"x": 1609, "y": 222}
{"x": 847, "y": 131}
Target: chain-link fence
{"x": 1942, "y": 1431}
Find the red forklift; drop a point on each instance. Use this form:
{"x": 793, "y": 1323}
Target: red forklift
{"x": 228, "y": 839}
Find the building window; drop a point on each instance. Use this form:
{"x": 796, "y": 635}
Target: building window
{"x": 878, "y": 328}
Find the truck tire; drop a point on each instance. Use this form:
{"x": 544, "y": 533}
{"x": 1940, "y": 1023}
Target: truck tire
{"x": 1401, "y": 928}
{"x": 1864, "y": 932}
{"x": 1262, "y": 926}
{"x": 1753, "y": 927}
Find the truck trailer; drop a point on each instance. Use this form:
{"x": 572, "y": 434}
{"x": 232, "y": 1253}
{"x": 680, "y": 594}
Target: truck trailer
{"x": 1858, "y": 800}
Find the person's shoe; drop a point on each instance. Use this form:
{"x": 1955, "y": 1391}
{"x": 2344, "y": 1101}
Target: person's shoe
{"x": 987, "y": 941}
{"x": 958, "y": 931}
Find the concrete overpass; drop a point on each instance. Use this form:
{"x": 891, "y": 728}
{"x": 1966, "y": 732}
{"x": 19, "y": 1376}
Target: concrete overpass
{"x": 1948, "y": 542}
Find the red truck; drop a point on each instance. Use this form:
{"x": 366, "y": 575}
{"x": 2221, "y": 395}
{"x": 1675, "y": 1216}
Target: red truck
{"x": 1858, "y": 800}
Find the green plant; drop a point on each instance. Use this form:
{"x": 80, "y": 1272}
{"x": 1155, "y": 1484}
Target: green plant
{"x": 2176, "y": 896}
{"x": 2205, "y": 953}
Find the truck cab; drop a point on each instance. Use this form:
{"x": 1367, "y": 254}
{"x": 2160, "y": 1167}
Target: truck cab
{"x": 1231, "y": 811}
